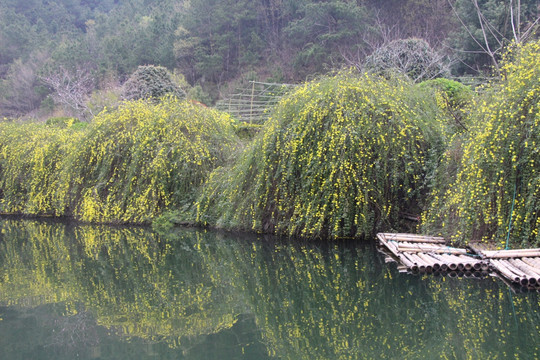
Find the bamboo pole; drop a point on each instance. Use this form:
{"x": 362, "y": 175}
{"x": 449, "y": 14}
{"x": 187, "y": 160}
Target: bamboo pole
{"x": 430, "y": 248}
{"x": 402, "y": 268}
{"x": 529, "y": 272}
{"x": 386, "y": 244}
{"x": 426, "y": 264}
{"x": 474, "y": 264}
{"x": 428, "y": 267}
{"x": 455, "y": 258}
{"x": 418, "y": 262}
{"x": 408, "y": 262}
{"x": 430, "y": 260}
{"x": 434, "y": 262}
{"x": 534, "y": 262}
{"x": 526, "y": 267}
{"x": 511, "y": 253}
{"x": 442, "y": 263}
{"x": 507, "y": 274}
{"x": 466, "y": 261}
{"x": 449, "y": 262}
{"x": 530, "y": 278}
{"x": 393, "y": 245}
{"x": 510, "y": 272}
{"x": 414, "y": 238}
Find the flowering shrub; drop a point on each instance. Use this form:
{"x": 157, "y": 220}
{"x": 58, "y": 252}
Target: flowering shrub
{"x": 340, "y": 157}
{"x": 31, "y": 157}
{"x": 128, "y": 166}
{"x": 497, "y": 180}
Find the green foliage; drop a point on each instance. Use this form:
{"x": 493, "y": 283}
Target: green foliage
{"x": 343, "y": 156}
{"x": 61, "y": 121}
{"x": 130, "y": 165}
{"x": 150, "y": 82}
{"x": 141, "y": 159}
{"x": 102, "y": 99}
{"x": 216, "y": 38}
{"x": 454, "y": 97}
{"x": 412, "y": 57}
{"x": 323, "y": 30}
{"x": 198, "y": 94}
{"x": 497, "y": 160}
{"x": 211, "y": 42}
{"x": 246, "y": 130}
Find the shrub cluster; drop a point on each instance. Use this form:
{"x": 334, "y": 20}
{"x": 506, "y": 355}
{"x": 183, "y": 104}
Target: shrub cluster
{"x": 150, "y": 82}
{"x": 412, "y": 57}
{"x": 340, "y": 157}
{"x": 128, "y": 166}
{"x": 497, "y": 183}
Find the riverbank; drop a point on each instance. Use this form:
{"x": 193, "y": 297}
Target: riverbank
{"x": 340, "y": 157}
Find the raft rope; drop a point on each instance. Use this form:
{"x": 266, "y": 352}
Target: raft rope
{"x": 511, "y": 214}
{"x": 513, "y": 308}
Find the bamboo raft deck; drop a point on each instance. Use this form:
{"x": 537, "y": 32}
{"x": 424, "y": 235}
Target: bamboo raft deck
{"x": 519, "y": 267}
{"x": 428, "y": 254}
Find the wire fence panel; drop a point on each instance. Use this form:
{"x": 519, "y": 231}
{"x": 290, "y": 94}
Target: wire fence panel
{"x": 251, "y": 104}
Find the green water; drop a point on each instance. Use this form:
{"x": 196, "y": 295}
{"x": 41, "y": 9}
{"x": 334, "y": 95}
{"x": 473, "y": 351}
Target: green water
{"x": 99, "y": 292}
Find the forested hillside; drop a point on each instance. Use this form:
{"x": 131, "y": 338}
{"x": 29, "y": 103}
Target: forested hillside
{"x": 89, "y": 48}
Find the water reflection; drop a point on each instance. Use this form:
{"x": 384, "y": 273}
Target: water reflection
{"x": 106, "y": 292}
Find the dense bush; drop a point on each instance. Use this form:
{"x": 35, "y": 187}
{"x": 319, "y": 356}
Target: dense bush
{"x": 150, "y": 82}
{"x": 128, "y": 166}
{"x": 339, "y": 157}
{"x": 31, "y": 158}
{"x": 454, "y": 98}
{"x": 497, "y": 166}
{"x": 412, "y": 57}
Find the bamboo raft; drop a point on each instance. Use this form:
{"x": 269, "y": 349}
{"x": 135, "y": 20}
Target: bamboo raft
{"x": 520, "y": 267}
{"x": 428, "y": 254}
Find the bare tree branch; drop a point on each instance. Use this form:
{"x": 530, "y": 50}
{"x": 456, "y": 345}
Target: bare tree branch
{"x": 72, "y": 88}
{"x": 484, "y": 34}
{"x": 489, "y": 29}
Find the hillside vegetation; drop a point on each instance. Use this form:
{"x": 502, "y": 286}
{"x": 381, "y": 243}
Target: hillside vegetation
{"x": 65, "y": 57}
